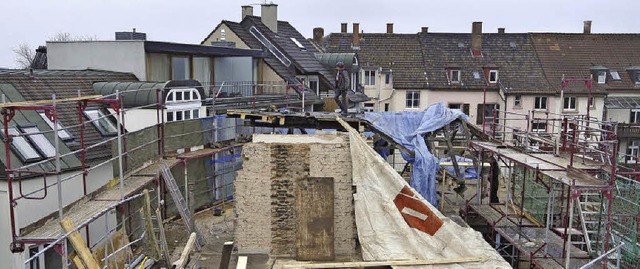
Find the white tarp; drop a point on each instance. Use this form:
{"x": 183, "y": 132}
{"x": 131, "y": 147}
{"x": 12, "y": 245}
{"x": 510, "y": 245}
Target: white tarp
{"x": 395, "y": 223}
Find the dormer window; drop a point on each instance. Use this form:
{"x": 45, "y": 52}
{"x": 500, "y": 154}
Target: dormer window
{"x": 634, "y": 74}
{"x": 454, "y": 75}
{"x": 600, "y": 73}
{"x": 493, "y": 76}
{"x": 602, "y": 77}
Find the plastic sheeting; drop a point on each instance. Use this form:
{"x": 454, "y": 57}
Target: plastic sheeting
{"x": 395, "y": 223}
{"x": 469, "y": 172}
{"x": 408, "y": 129}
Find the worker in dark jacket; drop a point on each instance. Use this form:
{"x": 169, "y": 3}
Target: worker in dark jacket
{"x": 342, "y": 86}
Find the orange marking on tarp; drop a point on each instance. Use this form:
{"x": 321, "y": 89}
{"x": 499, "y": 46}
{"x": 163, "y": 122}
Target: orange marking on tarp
{"x": 406, "y": 198}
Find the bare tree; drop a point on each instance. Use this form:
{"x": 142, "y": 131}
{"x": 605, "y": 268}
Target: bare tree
{"x": 24, "y": 55}
{"x": 65, "y": 36}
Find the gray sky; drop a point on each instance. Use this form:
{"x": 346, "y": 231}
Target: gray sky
{"x": 190, "y": 21}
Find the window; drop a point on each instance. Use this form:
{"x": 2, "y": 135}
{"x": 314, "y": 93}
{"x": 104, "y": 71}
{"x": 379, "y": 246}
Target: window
{"x": 517, "y": 101}
{"x": 35, "y": 263}
{"x": 181, "y": 67}
{"x": 369, "y": 77}
{"x": 101, "y": 122}
{"x": 476, "y": 75}
{"x": 368, "y": 107}
{"x": 387, "y": 78}
{"x": 487, "y": 113}
{"x": 43, "y": 145}
{"x": 635, "y": 116}
{"x": 602, "y": 77}
{"x": 386, "y": 106}
{"x": 183, "y": 104}
{"x": 413, "y": 99}
{"x": 455, "y": 76}
{"x": 538, "y": 126}
{"x": 540, "y": 103}
{"x": 493, "y": 76}
{"x": 615, "y": 75}
{"x": 592, "y": 102}
{"x": 22, "y": 147}
{"x": 569, "y": 103}
{"x": 62, "y": 133}
{"x": 632, "y": 151}
{"x": 463, "y": 107}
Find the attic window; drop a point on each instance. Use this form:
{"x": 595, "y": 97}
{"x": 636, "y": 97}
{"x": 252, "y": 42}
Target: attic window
{"x": 493, "y": 76}
{"x": 454, "y": 75}
{"x": 22, "y": 147}
{"x": 615, "y": 75}
{"x": 512, "y": 44}
{"x": 62, "y": 133}
{"x": 43, "y": 145}
{"x": 101, "y": 122}
{"x": 297, "y": 43}
{"x": 476, "y": 75}
{"x": 602, "y": 77}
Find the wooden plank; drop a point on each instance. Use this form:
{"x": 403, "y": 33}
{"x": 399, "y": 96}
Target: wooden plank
{"x": 184, "y": 257}
{"x": 389, "y": 263}
{"x": 242, "y": 262}
{"x": 226, "y": 255}
{"x": 47, "y": 102}
{"x": 151, "y": 241}
{"x": 314, "y": 219}
{"x": 79, "y": 245}
{"x": 163, "y": 238}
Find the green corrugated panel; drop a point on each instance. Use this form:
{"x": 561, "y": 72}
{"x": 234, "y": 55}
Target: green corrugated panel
{"x": 134, "y": 94}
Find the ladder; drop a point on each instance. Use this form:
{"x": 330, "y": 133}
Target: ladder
{"x": 180, "y": 203}
{"x": 590, "y": 211}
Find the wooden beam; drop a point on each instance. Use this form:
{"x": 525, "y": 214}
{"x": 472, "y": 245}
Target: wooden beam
{"x": 226, "y": 255}
{"x": 151, "y": 240}
{"x": 79, "y": 245}
{"x": 47, "y": 102}
{"x": 242, "y": 262}
{"x": 388, "y": 263}
{"x": 184, "y": 257}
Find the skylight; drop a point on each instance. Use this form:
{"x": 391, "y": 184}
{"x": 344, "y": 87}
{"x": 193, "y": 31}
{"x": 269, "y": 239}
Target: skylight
{"x": 104, "y": 126}
{"x": 62, "y": 133}
{"x": 297, "y": 43}
{"x": 476, "y": 75}
{"x": 265, "y": 42}
{"x": 20, "y": 144}
{"x": 42, "y": 143}
{"x": 615, "y": 75}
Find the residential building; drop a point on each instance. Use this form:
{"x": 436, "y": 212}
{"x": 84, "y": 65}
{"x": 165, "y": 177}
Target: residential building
{"x": 37, "y": 151}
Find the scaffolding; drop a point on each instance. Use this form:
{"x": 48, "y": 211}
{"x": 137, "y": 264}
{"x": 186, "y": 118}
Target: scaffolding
{"x": 210, "y": 146}
{"x": 568, "y": 200}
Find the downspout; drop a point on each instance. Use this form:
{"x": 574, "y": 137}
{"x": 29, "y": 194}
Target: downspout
{"x": 503, "y": 95}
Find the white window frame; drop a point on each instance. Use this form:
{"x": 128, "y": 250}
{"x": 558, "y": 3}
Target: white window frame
{"x": 615, "y": 75}
{"x": 538, "y": 103}
{"x": 369, "y": 77}
{"x": 21, "y": 146}
{"x": 410, "y": 99}
{"x": 566, "y": 103}
{"x": 517, "y": 101}
{"x": 495, "y": 80}
{"x": 602, "y": 77}
{"x": 41, "y": 143}
{"x": 62, "y": 132}
{"x": 535, "y": 127}
{"x": 634, "y": 148}
{"x": 454, "y": 75}
{"x": 636, "y": 115}
{"x": 178, "y": 110}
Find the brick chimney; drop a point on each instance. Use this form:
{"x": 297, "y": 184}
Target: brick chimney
{"x": 318, "y": 34}
{"x": 500, "y": 30}
{"x": 356, "y": 34}
{"x": 247, "y": 11}
{"x": 389, "y": 28}
{"x": 587, "y": 27}
{"x": 269, "y": 16}
{"x": 424, "y": 30}
{"x": 476, "y": 39}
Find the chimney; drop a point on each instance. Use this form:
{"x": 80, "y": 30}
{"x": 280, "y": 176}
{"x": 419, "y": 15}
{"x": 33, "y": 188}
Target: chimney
{"x": 356, "y": 34}
{"x": 587, "y": 27}
{"x": 269, "y": 16}
{"x": 476, "y": 39}
{"x": 424, "y": 30}
{"x": 500, "y": 30}
{"x": 343, "y": 28}
{"x": 318, "y": 34}
{"x": 389, "y": 28}
{"x": 247, "y": 11}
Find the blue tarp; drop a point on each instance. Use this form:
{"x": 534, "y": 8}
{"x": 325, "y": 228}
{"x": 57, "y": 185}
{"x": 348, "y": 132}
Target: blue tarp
{"x": 408, "y": 129}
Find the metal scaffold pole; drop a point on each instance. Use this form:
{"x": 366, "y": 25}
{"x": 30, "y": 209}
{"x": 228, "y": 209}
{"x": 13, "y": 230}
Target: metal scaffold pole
{"x": 118, "y": 121}
{"x": 56, "y": 143}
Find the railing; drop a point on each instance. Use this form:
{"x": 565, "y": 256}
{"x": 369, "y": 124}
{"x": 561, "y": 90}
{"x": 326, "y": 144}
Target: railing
{"x": 629, "y": 130}
{"x": 603, "y": 256}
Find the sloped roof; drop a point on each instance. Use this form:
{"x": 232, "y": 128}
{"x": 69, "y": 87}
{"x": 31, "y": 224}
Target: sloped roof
{"x": 65, "y": 84}
{"x": 513, "y": 55}
{"x": 573, "y": 55}
{"x": 400, "y": 52}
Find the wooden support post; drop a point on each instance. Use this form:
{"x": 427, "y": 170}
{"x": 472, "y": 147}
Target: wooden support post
{"x": 226, "y": 255}
{"x": 184, "y": 257}
{"x": 163, "y": 238}
{"x": 78, "y": 244}
{"x": 151, "y": 240}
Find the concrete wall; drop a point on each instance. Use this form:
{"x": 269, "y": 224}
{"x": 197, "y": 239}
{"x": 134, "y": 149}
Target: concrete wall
{"x": 266, "y": 221}
{"x": 29, "y": 211}
{"x": 121, "y": 56}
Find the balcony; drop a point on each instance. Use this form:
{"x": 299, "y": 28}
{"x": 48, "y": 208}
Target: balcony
{"x": 629, "y": 130}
